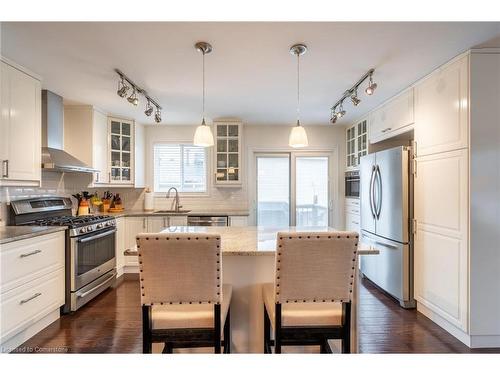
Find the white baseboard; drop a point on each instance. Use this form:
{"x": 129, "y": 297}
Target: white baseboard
{"x": 443, "y": 323}
{"x": 29, "y": 332}
{"x": 485, "y": 341}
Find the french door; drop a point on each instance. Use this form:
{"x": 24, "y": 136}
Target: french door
{"x": 293, "y": 189}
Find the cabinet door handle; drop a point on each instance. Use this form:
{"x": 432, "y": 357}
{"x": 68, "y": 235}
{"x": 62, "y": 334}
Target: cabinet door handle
{"x": 5, "y": 168}
{"x": 22, "y": 302}
{"x": 386, "y": 130}
{"x": 29, "y": 254}
{"x": 97, "y": 177}
{"x": 355, "y": 222}
{"x": 109, "y": 177}
{"x": 144, "y": 223}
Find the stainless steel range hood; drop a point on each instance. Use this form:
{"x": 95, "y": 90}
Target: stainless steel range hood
{"x": 54, "y": 158}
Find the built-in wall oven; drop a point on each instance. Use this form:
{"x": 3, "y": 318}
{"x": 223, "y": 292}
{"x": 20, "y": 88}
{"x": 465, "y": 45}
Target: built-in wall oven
{"x": 352, "y": 184}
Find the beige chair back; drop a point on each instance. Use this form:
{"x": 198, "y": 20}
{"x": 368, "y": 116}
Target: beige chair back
{"x": 180, "y": 268}
{"x": 315, "y": 267}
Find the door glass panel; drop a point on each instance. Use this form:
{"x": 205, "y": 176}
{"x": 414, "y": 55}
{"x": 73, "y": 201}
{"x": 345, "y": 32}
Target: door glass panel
{"x": 233, "y": 130}
{"x": 233, "y": 145}
{"x": 115, "y": 127}
{"x": 233, "y": 160}
{"x": 221, "y": 130}
{"x": 221, "y": 160}
{"x": 125, "y": 128}
{"x": 115, "y": 142}
{"x": 94, "y": 253}
{"x": 125, "y": 143}
{"x": 221, "y": 145}
{"x": 273, "y": 191}
{"x": 311, "y": 191}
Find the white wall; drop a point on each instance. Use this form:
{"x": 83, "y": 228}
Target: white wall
{"x": 255, "y": 138}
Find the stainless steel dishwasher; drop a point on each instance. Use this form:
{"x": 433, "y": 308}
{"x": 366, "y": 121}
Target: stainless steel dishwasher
{"x": 207, "y": 221}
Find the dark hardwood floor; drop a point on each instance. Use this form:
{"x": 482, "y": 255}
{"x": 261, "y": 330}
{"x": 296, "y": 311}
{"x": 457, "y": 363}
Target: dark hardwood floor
{"x": 111, "y": 323}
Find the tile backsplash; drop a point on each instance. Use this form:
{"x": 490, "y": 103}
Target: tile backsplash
{"x": 66, "y": 184}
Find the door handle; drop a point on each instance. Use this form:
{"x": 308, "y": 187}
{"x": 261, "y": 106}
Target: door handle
{"x": 5, "y": 173}
{"x": 22, "y": 302}
{"x": 379, "y": 192}
{"x": 30, "y": 253}
{"x": 371, "y": 192}
{"x": 385, "y": 245}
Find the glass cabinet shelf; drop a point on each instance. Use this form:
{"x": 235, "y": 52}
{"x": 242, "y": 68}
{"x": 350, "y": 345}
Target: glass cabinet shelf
{"x": 227, "y": 153}
{"x": 121, "y": 145}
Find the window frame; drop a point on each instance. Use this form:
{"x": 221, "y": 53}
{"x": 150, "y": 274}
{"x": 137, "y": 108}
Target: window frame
{"x": 208, "y": 164}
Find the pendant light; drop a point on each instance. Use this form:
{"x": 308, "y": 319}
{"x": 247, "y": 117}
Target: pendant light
{"x": 203, "y": 135}
{"x": 298, "y": 136}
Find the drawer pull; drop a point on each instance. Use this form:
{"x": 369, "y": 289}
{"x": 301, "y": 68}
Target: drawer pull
{"x": 355, "y": 222}
{"x": 29, "y": 254}
{"x": 29, "y": 299}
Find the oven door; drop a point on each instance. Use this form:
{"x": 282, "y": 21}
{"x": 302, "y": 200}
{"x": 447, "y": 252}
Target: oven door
{"x": 352, "y": 187}
{"x": 92, "y": 256}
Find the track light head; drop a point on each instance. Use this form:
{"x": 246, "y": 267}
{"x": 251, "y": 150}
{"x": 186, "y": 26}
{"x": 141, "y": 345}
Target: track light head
{"x": 122, "y": 89}
{"x": 149, "y": 109}
{"x": 333, "y": 118}
{"x": 341, "y": 112}
{"x": 157, "y": 115}
{"x": 354, "y": 98}
{"x": 133, "y": 99}
{"x": 371, "y": 86}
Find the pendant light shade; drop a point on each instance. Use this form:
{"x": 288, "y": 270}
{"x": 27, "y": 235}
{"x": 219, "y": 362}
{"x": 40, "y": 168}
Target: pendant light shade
{"x": 203, "y": 135}
{"x": 298, "y": 135}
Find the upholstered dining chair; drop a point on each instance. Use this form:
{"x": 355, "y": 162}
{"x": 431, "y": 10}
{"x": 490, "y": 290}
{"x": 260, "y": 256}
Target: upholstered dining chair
{"x": 184, "y": 303}
{"x": 310, "y": 300}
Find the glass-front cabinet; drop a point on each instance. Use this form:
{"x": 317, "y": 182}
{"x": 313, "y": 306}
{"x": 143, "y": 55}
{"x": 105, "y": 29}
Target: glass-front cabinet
{"x": 121, "y": 148}
{"x": 356, "y": 143}
{"x": 227, "y": 153}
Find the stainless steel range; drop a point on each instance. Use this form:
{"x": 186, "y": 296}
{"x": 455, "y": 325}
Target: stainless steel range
{"x": 90, "y": 245}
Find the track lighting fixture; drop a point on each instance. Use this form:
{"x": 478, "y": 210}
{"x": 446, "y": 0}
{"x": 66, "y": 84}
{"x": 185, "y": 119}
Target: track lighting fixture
{"x": 122, "y": 88}
{"x": 149, "y": 109}
{"x": 133, "y": 99}
{"x": 125, "y": 84}
{"x": 337, "y": 110}
{"x": 371, "y": 86}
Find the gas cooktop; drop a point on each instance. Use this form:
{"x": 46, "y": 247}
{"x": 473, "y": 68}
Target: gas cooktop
{"x": 70, "y": 221}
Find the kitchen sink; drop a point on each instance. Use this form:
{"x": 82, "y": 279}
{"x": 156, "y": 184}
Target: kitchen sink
{"x": 172, "y": 212}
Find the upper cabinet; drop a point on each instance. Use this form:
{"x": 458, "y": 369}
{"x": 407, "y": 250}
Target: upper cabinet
{"x": 393, "y": 118}
{"x": 20, "y": 128}
{"x": 441, "y": 109}
{"x": 121, "y": 150}
{"x": 108, "y": 144}
{"x": 356, "y": 143}
{"x": 228, "y": 156}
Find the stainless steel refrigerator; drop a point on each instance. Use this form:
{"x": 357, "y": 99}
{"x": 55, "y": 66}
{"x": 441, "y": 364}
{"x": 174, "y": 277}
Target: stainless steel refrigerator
{"x": 386, "y": 194}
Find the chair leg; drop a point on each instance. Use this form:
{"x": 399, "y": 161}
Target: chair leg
{"x": 267, "y": 332}
{"x": 277, "y": 329}
{"x": 227, "y": 333}
{"x": 147, "y": 344}
{"x": 346, "y": 339}
{"x": 168, "y": 348}
{"x": 217, "y": 331}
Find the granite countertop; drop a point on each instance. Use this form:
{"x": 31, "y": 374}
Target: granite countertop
{"x": 13, "y": 233}
{"x": 129, "y": 213}
{"x": 252, "y": 240}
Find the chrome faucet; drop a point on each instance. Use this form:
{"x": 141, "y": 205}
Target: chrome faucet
{"x": 175, "y": 203}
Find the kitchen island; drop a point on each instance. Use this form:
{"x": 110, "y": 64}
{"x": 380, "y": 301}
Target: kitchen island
{"x": 248, "y": 263}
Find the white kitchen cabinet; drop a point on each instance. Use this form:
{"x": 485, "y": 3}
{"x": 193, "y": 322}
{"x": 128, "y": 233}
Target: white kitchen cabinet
{"x": 20, "y": 128}
{"x": 392, "y": 118}
{"x": 133, "y": 226}
{"x": 352, "y": 222}
{"x": 120, "y": 245}
{"x": 32, "y": 286}
{"x": 356, "y": 143}
{"x": 441, "y": 238}
{"x": 441, "y": 109}
{"x": 86, "y": 138}
{"x": 238, "y": 221}
{"x": 228, "y": 153}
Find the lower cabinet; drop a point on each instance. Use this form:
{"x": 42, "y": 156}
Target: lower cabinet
{"x": 32, "y": 287}
{"x": 352, "y": 215}
{"x": 120, "y": 245}
{"x": 238, "y": 221}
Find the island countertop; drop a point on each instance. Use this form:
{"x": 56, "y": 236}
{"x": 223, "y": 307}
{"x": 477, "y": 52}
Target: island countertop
{"x": 252, "y": 240}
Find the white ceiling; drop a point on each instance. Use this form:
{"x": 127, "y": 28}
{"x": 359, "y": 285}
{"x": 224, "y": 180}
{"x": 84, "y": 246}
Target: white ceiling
{"x": 250, "y": 74}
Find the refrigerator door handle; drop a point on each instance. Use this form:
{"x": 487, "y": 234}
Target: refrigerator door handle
{"x": 372, "y": 201}
{"x": 379, "y": 192}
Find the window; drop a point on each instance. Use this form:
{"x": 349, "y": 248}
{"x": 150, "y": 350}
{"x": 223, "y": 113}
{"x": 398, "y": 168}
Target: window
{"x": 181, "y": 166}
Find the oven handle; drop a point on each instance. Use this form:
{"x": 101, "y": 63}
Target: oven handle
{"x": 87, "y": 239}
{"x": 83, "y": 295}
